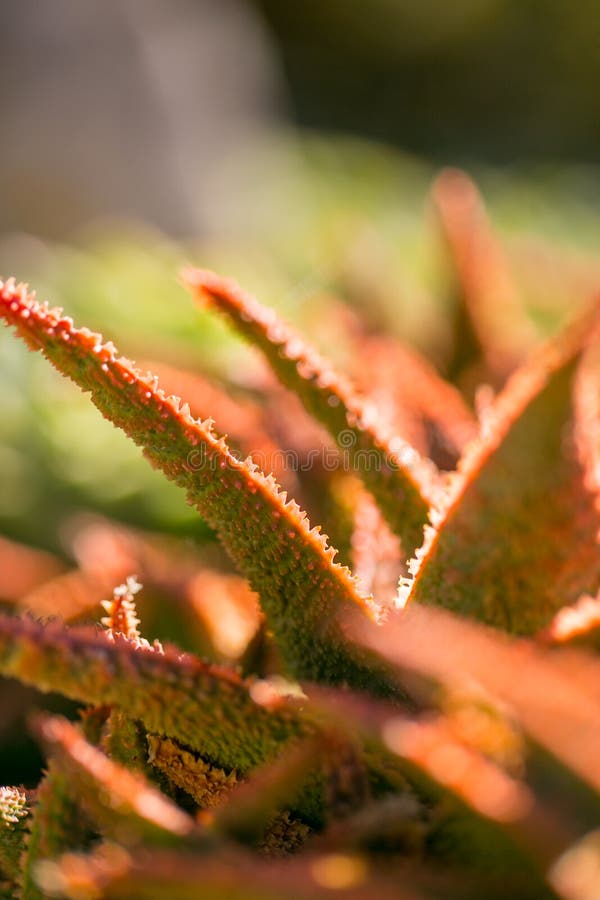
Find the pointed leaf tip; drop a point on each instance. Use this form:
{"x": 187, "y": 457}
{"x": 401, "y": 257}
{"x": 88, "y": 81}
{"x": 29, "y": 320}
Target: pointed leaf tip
{"x": 301, "y": 588}
{"x": 400, "y": 480}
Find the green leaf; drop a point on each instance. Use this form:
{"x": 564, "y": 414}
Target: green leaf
{"x": 515, "y": 537}
{"x": 208, "y": 708}
{"x": 392, "y": 470}
{"x": 286, "y": 561}
{"x": 122, "y": 803}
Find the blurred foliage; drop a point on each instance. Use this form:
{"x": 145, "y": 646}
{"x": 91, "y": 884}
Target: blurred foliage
{"x": 492, "y": 79}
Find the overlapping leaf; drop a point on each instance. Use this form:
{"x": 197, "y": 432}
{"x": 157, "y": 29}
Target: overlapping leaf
{"x": 391, "y": 469}
{"x": 270, "y": 539}
{"x": 515, "y": 537}
{"x": 208, "y": 708}
{"x": 120, "y": 802}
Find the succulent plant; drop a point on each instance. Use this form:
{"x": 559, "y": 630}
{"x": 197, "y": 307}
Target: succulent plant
{"x": 430, "y": 740}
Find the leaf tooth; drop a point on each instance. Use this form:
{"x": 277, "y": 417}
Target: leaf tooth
{"x": 353, "y": 422}
{"x": 167, "y": 438}
{"x": 206, "y": 707}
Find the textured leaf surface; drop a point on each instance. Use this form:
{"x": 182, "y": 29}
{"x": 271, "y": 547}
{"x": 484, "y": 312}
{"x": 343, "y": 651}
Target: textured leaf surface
{"x": 121, "y": 802}
{"x": 206, "y": 707}
{"x": 207, "y": 784}
{"x": 515, "y": 537}
{"x": 270, "y": 539}
{"x": 391, "y": 469}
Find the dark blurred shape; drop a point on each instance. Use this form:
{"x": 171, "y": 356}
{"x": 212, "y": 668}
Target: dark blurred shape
{"x": 123, "y": 108}
{"x": 494, "y": 79}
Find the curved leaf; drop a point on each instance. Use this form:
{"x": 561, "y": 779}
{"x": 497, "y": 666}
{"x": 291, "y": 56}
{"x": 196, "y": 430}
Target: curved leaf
{"x": 208, "y": 708}
{"x": 514, "y": 539}
{"x": 286, "y": 561}
{"x": 390, "y": 468}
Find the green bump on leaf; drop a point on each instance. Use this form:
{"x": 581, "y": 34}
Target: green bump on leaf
{"x": 515, "y": 538}
{"x": 286, "y": 561}
{"x": 390, "y": 468}
{"x": 207, "y": 707}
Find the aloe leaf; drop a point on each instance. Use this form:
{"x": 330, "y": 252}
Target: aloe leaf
{"x": 429, "y": 412}
{"x": 517, "y": 673}
{"x": 254, "y": 804}
{"x": 514, "y": 539}
{"x": 243, "y": 421}
{"x": 122, "y": 803}
{"x": 497, "y": 329}
{"x": 206, "y": 783}
{"x": 286, "y": 561}
{"x": 55, "y": 826}
{"x": 586, "y": 397}
{"x": 390, "y": 468}
{"x": 23, "y": 569}
{"x": 207, "y": 708}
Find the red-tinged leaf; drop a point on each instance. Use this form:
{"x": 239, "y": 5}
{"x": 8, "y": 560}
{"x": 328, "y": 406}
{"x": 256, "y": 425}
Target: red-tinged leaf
{"x": 580, "y": 620}
{"x": 376, "y": 557}
{"x": 227, "y": 608}
{"x": 254, "y": 804}
{"x": 124, "y": 805}
{"x": 493, "y": 310}
{"x": 514, "y": 539}
{"x": 71, "y": 595}
{"x": 427, "y": 411}
{"x": 554, "y": 697}
{"x": 390, "y": 468}
{"x": 587, "y": 414}
{"x": 23, "y": 569}
{"x": 470, "y": 809}
{"x": 208, "y": 708}
{"x": 208, "y": 784}
{"x": 269, "y": 538}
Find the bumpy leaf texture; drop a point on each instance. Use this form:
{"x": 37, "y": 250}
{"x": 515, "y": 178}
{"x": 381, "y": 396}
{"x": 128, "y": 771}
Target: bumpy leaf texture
{"x": 391, "y": 469}
{"x": 208, "y": 708}
{"x": 515, "y": 537}
{"x": 269, "y": 538}
{"x": 121, "y": 803}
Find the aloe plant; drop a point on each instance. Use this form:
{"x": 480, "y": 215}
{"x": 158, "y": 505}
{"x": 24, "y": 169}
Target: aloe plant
{"x": 425, "y": 741}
